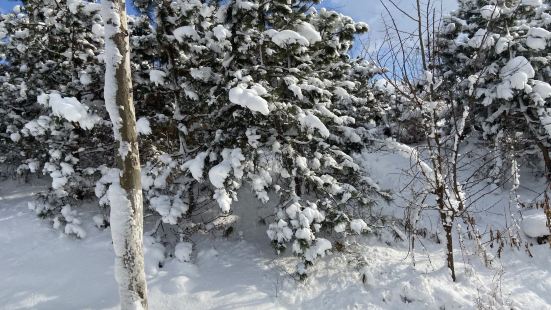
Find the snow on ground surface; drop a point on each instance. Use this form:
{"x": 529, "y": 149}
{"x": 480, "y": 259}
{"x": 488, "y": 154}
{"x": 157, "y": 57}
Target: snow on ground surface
{"x": 41, "y": 268}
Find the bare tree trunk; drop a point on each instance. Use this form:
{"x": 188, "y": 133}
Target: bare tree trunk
{"x": 546, "y": 159}
{"x": 126, "y": 197}
{"x": 449, "y": 247}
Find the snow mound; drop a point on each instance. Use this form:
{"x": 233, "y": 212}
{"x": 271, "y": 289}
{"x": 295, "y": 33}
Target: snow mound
{"x": 534, "y": 224}
{"x": 183, "y": 251}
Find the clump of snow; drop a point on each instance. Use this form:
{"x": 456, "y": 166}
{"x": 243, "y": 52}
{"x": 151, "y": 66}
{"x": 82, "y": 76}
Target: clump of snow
{"x": 310, "y": 122}
{"x": 515, "y": 74}
{"x": 502, "y": 44}
{"x": 537, "y": 38}
{"x": 358, "y": 226}
{"x": 481, "y": 39}
{"x": 250, "y": 99}
{"x": 285, "y": 38}
{"x": 308, "y": 31}
{"x": 196, "y": 166}
{"x": 534, "y": 224}
{"x": 518, "y": 64}
{"x": 245, "y": 5}
{"x": 183, "y": 251}
{"x": 182, "y": 33}
{"x": 157, "y": 77}
{"x": 541, "y": 89}
{"x": 201, "y": 73}
{"x": 70, "y": 109}
{"x": 223, "y": 199}
{"x": 142, "y": 126}
{"x": 169, "y": 209}
{"x": 534, "y": 3}
{"x": 99, "y": 221}
{"x": 231, "y": 158}
{"x": 221, "y": 33}
{"x": 98, "y": 30}
{"x": 280, "y": 231}
{"x": 85, "y": 78}
{"x": 490, "y": 12}
{"x": 318, "y": 249}
{"x": 72, "y": 226}
{"x": 15, "y": 137}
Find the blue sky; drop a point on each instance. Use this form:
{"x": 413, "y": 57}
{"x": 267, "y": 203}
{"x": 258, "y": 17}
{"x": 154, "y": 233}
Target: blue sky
{"x": 368, "y": 11}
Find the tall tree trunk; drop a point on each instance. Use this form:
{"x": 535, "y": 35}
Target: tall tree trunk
{"x": 126, "y": 197}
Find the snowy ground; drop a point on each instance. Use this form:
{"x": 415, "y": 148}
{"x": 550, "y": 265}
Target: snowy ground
{"x": 41, "y": 268}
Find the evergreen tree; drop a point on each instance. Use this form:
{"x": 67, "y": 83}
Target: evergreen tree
{"x": 497, "y": 51}
{"x": 52, "y": 80}
{"x": 266, "y": 97}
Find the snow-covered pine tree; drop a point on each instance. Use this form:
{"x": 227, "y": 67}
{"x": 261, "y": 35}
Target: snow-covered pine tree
{"x": 497, "y": 51}
{"x": 267, "y": 98}
{"x": 53, "y": 77}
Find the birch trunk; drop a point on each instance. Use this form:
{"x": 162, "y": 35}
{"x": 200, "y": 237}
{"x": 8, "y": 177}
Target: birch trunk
{"x": 125, "y": 197}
